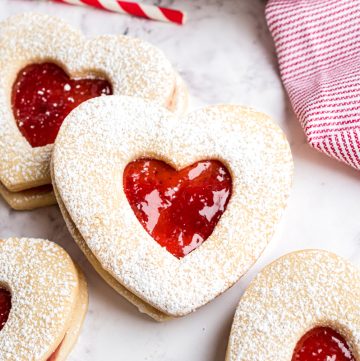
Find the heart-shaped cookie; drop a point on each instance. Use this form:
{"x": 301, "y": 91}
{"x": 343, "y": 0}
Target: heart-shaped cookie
{"x": 47, "y": 68}
{"x": 43, "y": 301}
{"x": 101, "y": 138}
{"x": 305, "y": 306}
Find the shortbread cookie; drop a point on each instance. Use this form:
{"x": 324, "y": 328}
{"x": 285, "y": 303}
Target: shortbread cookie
{"x": 47, "y": 68}
{"x": 29, "y": 199}
{"x": 305, "y": 306}
{"x": 170, "y": 211}
{"x": 110, "y": 280}
{"x": 43, "y": 301}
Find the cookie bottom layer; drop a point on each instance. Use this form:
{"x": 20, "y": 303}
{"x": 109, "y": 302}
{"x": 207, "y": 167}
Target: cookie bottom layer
{"x": 28, "y": 199}
{"x": 76, "y": 321}
{"x": 142, "y": 305}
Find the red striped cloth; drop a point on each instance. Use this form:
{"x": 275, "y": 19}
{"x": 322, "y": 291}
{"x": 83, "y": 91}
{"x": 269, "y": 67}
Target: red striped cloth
{"x": 318, "y": 47}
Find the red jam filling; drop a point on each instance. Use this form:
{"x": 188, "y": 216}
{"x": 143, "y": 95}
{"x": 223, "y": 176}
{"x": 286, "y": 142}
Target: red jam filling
{"x": 46, "y": 188}
{"x": 5, "y": 306}
{"x": 54, "y": 354}
{"x": 322, "y": 344}
{"x": 179, "y": 209}
{"x": 43, "y": 95}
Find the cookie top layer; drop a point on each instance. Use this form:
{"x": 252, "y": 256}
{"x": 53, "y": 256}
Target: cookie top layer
{"x": 100, "y": 137}
{"x": 132, "y": 66}
{"x": 289, "y": 297}
{"x": 44, "y": 285}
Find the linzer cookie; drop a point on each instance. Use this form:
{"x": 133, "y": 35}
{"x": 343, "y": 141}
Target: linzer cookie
{"x": 47, "y": 68}
{"x": 170, "y": 211}
{"x": 43, "y": 301}
{"x": 303, "y": 307}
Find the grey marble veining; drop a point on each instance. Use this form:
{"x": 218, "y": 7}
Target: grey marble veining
{"x": 225, "y": 54}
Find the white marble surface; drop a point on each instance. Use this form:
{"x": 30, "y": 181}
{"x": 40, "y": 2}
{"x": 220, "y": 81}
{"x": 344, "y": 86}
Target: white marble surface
{"x": 225, "y": 54}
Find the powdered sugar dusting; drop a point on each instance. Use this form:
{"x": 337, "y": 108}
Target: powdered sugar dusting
{"x": 289, "y": 297}
{"x": 43, "y": 283}
{"x": 103, "y": 135}
{"x": 132, "y": 66}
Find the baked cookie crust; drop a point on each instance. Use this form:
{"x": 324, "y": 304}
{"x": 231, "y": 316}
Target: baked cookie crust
{"x": 49, "y": 300}
{"x": 87, "y": 174}
{"x": 28, "y": 199}
{"x": 289, "y": 297}
{"x": 132, "y": 66}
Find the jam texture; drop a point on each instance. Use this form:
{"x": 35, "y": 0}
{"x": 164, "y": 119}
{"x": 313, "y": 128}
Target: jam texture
{"x": 179, "y": 209}
{"x": 322, "y": 344}
{"x": 43, "y": 95}
{"x": 5, "y": 306}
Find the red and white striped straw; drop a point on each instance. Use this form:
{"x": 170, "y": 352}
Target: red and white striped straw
{"x": 151, "y": 12}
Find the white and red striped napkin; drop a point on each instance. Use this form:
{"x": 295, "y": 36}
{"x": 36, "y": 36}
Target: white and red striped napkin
{"x": 318, "y": 47}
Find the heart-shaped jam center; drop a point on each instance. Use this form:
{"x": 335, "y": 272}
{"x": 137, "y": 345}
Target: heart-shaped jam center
{"x": 322, "y": 344}
{"x": 5, "y": 306}
{"x": 179, "y": 209}
{"x": 43, "y": 95}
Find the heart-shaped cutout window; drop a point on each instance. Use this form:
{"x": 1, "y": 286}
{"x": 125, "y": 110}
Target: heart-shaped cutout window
{"x": 322, "y": 344}
{"x": 5, "y": 306}
{"x": 178, "y": 208}
{"x": 43, "y": 95}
